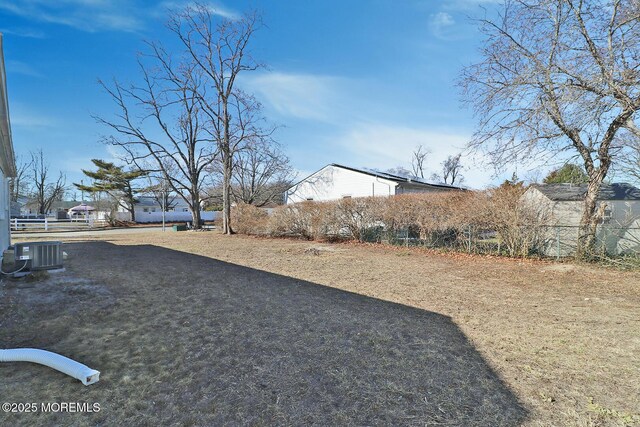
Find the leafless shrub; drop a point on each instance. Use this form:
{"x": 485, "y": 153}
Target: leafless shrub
{"x": 452, "y": 219}
{"x": 357, "y": 216}
{"x": 251, "y": 219}
{"x": 308, "y": 220}
{"x": 521, "y": 228}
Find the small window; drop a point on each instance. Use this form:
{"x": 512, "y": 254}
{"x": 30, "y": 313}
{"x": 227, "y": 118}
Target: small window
{"x": 310, "y": 199}
{"x": 153, "y": 209}
{"x": 606, "y": 216}
{"x": 346, "y": 196}
{"x": 145, "y": 209}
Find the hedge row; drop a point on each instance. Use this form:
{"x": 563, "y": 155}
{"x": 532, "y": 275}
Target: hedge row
{"x": 448, "y": 219}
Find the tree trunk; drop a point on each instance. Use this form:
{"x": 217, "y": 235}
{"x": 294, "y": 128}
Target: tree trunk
{"x": 227, "y": 167}
{"x": 226, "y": 194}
{"x": 195, "y": 210}
{"x": 589, "y": 221}
{"x": 132, "y": 212}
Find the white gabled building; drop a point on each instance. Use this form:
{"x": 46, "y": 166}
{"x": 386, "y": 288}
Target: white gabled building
{"x": 334, "y": 182}
{"x": 7, "y": 160}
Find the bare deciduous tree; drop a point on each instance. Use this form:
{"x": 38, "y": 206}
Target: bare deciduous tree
{"x": 43, "y": 191}
{"x": 160, "y": 125}
{"x": 19, "y": 184}
{"x": 451, "y": 170}
{"x": 628, "y": 164}
{"x": 220, "y": 50}
{"x": 399, "y": 170}
{"x": 556, "y": 76}
{"x": 262, "y": 173}
{"x": 418, "y": 159}
{"x": 161, "y": 192}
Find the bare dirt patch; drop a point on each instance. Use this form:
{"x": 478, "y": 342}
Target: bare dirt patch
{"x": 257, "y": 331}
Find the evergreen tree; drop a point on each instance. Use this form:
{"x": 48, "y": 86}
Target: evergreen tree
{"x": 567, "y": 174}
{"x": 114, "y": 181}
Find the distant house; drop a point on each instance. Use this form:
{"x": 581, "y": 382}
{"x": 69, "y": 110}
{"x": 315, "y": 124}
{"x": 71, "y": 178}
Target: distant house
{"x": 58, "y": 209}
{"x": 7, "y": 159}
{"x": 16, "y": 207}
{"x": 334, "y": 182}
{"x": 149, "y": 204}
{"x": 563, "y": 204}
{"x": 148, "y": 210}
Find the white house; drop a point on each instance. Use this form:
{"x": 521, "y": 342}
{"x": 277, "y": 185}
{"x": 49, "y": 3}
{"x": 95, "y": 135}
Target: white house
{"x": 148, "y": 210}
{"x": 7, "y": 159}
{"x": 562, "y": 204}
{"x": 149, "y": 204}
{"x": 334, "y": 182}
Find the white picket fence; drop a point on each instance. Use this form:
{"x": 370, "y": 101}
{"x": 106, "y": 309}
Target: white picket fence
{"x": 50, "y": 224}
{"x": 156, "y": 217}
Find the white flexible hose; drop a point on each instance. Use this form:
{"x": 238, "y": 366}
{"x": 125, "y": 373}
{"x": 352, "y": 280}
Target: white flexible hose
{"x": 52, "y": 360}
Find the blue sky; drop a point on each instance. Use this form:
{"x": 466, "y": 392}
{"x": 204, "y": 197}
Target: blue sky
{"x": 355, "y": 82}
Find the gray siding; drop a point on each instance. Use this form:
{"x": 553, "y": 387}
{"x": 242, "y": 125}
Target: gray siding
{"x": 618, "y": 234}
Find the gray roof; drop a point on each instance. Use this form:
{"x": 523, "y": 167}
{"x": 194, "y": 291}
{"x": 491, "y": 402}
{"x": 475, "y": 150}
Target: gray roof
{"x": 576, "y": 192}
{"x": 400, "y": 178}
{"x": 153, "y": 202}
{"x": 146, "y": 201}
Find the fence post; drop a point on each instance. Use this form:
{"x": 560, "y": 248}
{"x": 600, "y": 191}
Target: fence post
{"x": 557, "y": 243}
{"x": 46, "y": 224}
{"x": 469, "y": 241}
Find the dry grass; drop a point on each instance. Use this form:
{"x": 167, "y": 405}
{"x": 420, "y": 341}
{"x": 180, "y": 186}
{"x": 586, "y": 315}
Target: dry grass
{"x": 197, "y": 328}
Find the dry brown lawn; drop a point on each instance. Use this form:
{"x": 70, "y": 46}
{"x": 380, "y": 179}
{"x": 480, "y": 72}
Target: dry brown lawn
{"x": 203, "y": 329}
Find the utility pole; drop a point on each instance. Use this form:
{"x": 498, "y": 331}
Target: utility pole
{"x": 164, "y": 203}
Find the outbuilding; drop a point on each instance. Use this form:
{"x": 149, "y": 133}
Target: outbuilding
{"x": 335, "y": 181}
{"x": 562, "y": 206}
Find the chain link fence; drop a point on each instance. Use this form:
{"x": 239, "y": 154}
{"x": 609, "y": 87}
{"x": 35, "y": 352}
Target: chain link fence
{"x": 557, "y": 241}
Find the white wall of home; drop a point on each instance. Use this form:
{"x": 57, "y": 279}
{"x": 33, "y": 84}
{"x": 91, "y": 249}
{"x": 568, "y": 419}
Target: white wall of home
{"x": 333, "y": 183}
{"x": 7, "y": 161}
{"x": 178, "y": 205}
{"x": 5, "y": 233}
{"x": 141, "y": 210}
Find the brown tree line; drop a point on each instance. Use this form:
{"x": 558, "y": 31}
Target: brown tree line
{"x": 35, "y": 182}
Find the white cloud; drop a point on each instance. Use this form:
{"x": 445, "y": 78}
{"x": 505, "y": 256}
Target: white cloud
{"x": 24, "y": 117}
{"x": 100, "y": 15}
{"x": 441, "y": 24}
{"x": 465, "y": 5}
{"x": 24, "y": 32}
{"x": 214, "y": 8}
{"x": 303, "y": 96}
{"x": 19, "y": 67}
{"x": 442, "y": 19}
{"x": 85, "y": 15}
